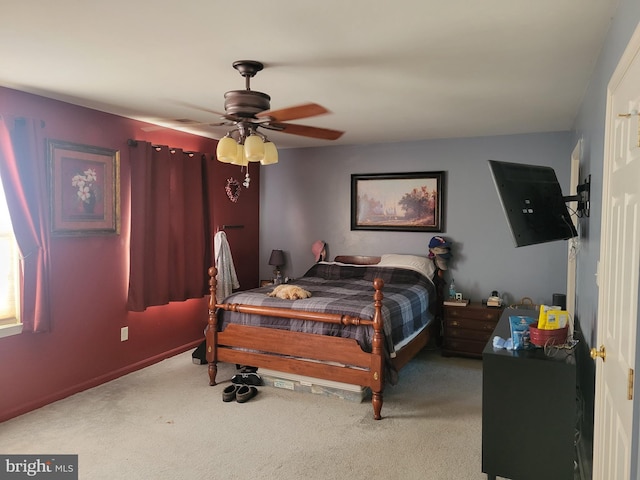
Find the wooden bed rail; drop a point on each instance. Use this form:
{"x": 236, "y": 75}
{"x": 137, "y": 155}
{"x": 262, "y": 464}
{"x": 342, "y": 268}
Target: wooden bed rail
{"x": 295, "y": 314}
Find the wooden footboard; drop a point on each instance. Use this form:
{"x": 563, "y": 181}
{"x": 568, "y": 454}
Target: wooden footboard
{"x": 296, "y": 352}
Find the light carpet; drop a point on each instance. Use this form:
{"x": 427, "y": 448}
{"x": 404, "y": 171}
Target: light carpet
{"x": 165, "y": 422}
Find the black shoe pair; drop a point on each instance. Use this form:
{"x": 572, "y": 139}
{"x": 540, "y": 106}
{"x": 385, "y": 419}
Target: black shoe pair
{"x": 239, "y": 393}
{"x": 246, "y": 368}
{"x": 247, "y": 378}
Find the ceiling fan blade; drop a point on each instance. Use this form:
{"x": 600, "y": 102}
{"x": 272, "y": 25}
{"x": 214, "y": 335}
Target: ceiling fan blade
{"x": 185, "y": 124}
{"x": 305, "y": 130}
{"x": 294, "y": 113}
{"x": 198, "y": 107}
{"x": 232, "y": 118}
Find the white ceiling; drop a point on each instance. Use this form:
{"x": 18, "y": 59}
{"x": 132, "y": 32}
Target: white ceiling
{"x": 389, "y": 71}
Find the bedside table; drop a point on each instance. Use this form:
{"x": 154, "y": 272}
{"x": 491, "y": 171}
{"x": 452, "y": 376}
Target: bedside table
{"x": 466, "y": 330}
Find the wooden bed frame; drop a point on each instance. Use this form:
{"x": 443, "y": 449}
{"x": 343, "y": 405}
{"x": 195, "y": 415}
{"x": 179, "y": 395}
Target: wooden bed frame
{"x": 305, "y": 353}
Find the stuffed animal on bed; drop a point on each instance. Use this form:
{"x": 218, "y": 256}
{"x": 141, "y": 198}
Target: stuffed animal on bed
{"x": 289, "y": 292}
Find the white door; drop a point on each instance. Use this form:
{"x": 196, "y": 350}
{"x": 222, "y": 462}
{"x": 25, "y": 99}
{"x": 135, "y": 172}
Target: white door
{"x": 618, "y": 271}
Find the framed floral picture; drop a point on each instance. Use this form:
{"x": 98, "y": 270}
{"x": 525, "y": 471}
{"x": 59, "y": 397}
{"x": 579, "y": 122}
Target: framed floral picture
{"x": 84, "y": 184}
{"x": 398, "y": 201}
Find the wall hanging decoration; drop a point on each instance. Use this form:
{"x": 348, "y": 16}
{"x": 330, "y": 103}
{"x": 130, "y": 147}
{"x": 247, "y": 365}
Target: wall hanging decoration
{"x": 232, "y": 189}
{"x": 398, "y": 201}
{"x": 84, "y": 185}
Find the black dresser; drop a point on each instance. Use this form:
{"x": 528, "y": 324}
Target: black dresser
{"x": 529, "y": 410}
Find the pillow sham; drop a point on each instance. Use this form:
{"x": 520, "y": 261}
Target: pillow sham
{"x": 418, "y": 263}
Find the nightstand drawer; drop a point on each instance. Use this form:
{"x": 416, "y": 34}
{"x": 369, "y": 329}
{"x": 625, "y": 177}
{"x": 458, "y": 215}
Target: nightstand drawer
{"x": 475, "y": 313}
{"x": 458, "y": 333}
{"x": 470, "y": 323}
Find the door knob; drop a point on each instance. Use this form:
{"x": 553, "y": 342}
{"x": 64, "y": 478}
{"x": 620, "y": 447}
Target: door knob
{"x": 602, "y": 353}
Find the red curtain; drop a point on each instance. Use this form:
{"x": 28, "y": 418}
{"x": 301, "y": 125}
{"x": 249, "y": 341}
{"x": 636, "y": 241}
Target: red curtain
{"x": 23, "y": 170}
{"x": 170, "y": 228}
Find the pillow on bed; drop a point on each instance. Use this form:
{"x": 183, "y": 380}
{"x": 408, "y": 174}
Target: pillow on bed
{"x": 418, "y": 263}
{"x": 333, "y": 271}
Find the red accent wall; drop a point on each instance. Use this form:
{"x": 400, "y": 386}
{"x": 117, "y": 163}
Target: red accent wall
{"x": 89, "y": 275}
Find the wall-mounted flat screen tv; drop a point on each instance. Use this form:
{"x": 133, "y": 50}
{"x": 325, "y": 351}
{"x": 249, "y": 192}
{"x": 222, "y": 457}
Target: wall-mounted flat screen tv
{"x": 533, "y": 203}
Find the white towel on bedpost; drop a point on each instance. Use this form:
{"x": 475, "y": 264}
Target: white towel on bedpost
{"x": 226, "y": 278}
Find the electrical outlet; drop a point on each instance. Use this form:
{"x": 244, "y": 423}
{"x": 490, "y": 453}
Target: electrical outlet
{"x": 124, "y": 334}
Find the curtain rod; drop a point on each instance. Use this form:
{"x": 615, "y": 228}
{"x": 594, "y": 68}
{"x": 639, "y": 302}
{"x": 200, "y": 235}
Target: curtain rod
{"x": 134, "y": 143}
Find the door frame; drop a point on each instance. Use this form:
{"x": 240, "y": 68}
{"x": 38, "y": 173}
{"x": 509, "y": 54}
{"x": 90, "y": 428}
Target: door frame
{"x": 573, "y": 245}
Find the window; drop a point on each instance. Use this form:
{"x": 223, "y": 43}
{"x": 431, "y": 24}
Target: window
{"x": 9, "y": 274}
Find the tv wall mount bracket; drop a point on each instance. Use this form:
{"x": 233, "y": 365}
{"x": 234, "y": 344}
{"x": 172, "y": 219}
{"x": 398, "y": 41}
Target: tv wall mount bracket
{"x": 583, "y": 197}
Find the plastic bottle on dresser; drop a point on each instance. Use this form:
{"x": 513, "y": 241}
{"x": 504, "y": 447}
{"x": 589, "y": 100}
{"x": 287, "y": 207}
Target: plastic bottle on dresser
{"x": 452, "y": 289}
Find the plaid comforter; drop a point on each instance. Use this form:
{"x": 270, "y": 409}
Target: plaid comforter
{"x": 347, "y": 289}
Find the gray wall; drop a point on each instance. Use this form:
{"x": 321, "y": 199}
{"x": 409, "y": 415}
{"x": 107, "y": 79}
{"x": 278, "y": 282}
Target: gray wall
{"x": 306, "y": 197}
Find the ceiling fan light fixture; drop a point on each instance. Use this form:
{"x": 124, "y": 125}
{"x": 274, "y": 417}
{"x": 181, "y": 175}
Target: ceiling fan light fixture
{"x": 249, "y": 110}
{"x": 227, "y": 150}
{"x": 270, "y": 154}
{"x": 254, "y": 148}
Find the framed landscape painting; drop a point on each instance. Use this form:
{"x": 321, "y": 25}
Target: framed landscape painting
{"x": 84, "y": 185}
{"x": 398, "y": 201}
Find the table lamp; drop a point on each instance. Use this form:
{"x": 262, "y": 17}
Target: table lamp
{"x": 277, "y": 260}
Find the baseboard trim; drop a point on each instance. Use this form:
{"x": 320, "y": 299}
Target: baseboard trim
{"x": 94, "y": 382}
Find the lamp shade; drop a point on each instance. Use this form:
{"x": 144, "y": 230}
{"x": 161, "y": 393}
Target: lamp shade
{"x": 253, "y": 148}
{"x": 240, "y": 159}
{"x": 277, "y": 258}
{"x": 227, "y": 150}
{"x": 270, "y": 154}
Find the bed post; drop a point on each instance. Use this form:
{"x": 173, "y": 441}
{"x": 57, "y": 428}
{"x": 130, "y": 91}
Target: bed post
{"x": 377, "y": 357}
{"x": 211, "y": 334}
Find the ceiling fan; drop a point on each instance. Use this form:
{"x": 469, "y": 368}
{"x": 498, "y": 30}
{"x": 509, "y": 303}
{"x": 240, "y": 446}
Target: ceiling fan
{"x": 249, "y": 109}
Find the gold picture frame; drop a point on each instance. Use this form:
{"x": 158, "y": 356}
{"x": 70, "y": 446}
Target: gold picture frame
{"x": 398, "y": 201}
{"x": 84, "y": 188}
